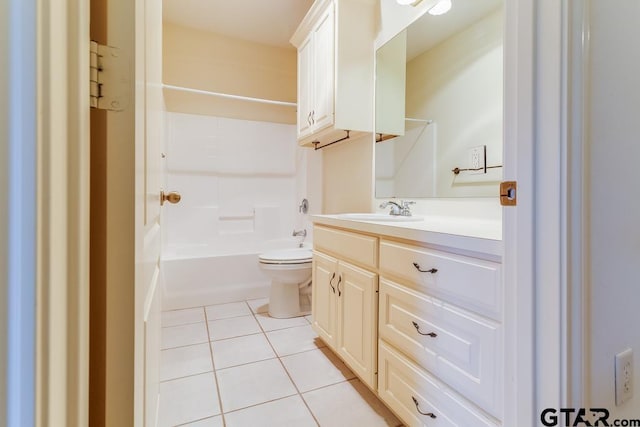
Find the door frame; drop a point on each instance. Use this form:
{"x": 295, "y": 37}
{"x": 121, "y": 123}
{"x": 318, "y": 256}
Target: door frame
{"x": 43, "y": 233}
{"x": 542, "y": 242}
{"x": 518, "y": 231}
{"x": 63, "y": 212}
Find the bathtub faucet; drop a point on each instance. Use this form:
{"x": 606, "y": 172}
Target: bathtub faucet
{"x": 302, "y": 233}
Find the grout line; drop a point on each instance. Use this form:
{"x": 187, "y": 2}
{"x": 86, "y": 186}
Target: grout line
{"x": 233, "y": 338}
{"x": 229, "y": 317}
{"x": 204, "y": 419}
{"x": 213, "y": 366}
{"x": 181, "y": 324}
{"x": 289, "y": 375}
{"x": 262, "y": 403}
{"x": 186, "y": 345}
{"x": 184, "y": 376}
{"x": 264, "y": 333}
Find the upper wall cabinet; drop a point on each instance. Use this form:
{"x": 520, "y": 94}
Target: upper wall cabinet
{"x": 335, "y": 71}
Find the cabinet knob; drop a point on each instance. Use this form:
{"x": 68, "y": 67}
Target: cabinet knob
{"x": 338, "y": 285}
{"x": 331, "y": 282}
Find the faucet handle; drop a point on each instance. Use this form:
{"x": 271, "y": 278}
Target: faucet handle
{"x": 406, "y": 203}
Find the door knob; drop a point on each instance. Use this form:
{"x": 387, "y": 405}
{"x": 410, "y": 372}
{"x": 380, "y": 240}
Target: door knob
{"x": 172, "y": 197}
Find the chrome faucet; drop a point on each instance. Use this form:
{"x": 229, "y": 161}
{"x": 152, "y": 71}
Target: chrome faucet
{"x": 302, "y": 233}
{"x": 401, "y": 209}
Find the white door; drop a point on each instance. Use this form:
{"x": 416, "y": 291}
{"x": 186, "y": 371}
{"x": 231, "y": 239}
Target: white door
{"x": 149, "y": 141}
{"x": 132, "y": 216}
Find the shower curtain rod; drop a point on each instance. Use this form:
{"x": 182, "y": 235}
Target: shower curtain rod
{"x": 228, "y": 96}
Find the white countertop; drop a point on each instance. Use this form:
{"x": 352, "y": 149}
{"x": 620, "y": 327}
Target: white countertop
{"x": 483, "y": 236}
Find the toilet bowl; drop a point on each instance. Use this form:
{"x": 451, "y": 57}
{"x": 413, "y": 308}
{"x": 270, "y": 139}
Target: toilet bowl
{"x": 290, "y": 273}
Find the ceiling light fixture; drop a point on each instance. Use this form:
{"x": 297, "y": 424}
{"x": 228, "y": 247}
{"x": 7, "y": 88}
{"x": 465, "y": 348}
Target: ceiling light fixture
{"x": 442, "y": 7}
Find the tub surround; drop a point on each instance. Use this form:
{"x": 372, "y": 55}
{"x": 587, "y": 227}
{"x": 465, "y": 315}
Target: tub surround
{"x": 241, "y": 182}
{"x": 415, "y": 309}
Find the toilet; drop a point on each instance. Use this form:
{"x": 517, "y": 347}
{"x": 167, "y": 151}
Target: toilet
{"x": 290, "y": 273}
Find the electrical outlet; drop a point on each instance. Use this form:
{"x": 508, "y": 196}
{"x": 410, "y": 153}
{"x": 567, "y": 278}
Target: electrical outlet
{"x": 477, "y": 159}
{"x": 624, "y": 376}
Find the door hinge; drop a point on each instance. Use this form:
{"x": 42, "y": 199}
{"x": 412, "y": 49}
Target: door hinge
{"x": 509, "y": 193}
{"x": 109, "y": 78}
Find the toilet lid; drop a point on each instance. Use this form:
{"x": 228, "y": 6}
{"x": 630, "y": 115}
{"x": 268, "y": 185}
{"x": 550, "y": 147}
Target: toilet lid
{"x": 286, "y": 256}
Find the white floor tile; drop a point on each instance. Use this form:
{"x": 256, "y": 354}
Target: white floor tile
{"x": 233, "y": 327}
{"x": 290, "y": 411}
{"x": 251, "y": 384}
{"x": 269, "y": 323}
{"x": 184, "y": 361}
{"x": 178, "y": 336}
{"x": 241, "y": 350}
{"x": 260, "y": 305}
{"x": 182, "y": 317}
{"x": 188, "y": 399}
{"x": 294, "y": 340}
{"x": 309, "y": 319}
{"x": 315, "y": 369}
{"x": 348, "y": 404}
{"x": 207, "y": 422}
{"x": 225, "y": 311}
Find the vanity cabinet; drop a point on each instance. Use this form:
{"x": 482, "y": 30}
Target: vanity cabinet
{"x": 345, "y": 307}
{"x": 335, "y": 70}
{"x": 440, "y": 316}
{"x": 435, "y": 311}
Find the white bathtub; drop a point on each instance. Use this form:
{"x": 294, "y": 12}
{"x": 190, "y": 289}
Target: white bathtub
{"x": 201, "y": 275}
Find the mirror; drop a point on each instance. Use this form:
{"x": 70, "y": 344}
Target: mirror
{"x": 439, "y": 105}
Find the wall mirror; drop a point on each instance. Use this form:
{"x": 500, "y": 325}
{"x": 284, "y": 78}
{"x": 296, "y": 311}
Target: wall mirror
{"x": 439, "y": 105}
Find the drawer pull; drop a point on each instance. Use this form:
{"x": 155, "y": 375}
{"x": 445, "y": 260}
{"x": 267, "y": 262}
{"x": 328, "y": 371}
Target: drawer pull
{"x": 430, "y": 334}
{"x": 331, "y": 284}
{"x": 428, "y": 414}
{"x": 338, "y": 285}
{"x": 417, "y": 266}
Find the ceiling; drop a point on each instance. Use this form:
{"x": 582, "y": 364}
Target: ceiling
{"x": 270, "y": 22}
{"x": 430, "y": 30}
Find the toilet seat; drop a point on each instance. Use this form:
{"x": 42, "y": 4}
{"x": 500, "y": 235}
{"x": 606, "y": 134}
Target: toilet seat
{"x": 286, "y": 257}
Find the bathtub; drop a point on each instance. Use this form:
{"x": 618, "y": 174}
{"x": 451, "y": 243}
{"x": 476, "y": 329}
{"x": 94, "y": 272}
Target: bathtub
{"x": 202, "y": 275}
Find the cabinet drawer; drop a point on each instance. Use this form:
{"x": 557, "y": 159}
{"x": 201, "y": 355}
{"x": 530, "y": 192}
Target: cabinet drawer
{"x": 469, "y": 282}
{"x": 458, "y": 347}
{"x": 354, "y": 247}
{"x": 407, "y": 389}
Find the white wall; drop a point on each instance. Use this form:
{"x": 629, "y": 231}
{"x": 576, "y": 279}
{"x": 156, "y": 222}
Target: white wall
{"x": 241, "y": 183}
{"x": 613, "y": 125}
{"x": 213, "y": 62}
{"x": 458, "y": 85}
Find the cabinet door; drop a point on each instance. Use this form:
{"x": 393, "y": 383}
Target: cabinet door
{"x": 323, "y": 298}
{"x": 323, "y": 71}
{"x": 357, "y": 320}
{"x": 305, "y": 87}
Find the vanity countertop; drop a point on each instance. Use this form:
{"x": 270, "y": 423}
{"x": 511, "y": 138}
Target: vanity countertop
{"x": 483, "y": 236}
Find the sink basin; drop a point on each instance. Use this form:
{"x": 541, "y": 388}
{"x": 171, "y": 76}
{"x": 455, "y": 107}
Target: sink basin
{"x": 378, "y": 217}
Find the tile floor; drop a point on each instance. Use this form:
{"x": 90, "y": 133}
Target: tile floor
{"x": 233, "y": 365}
